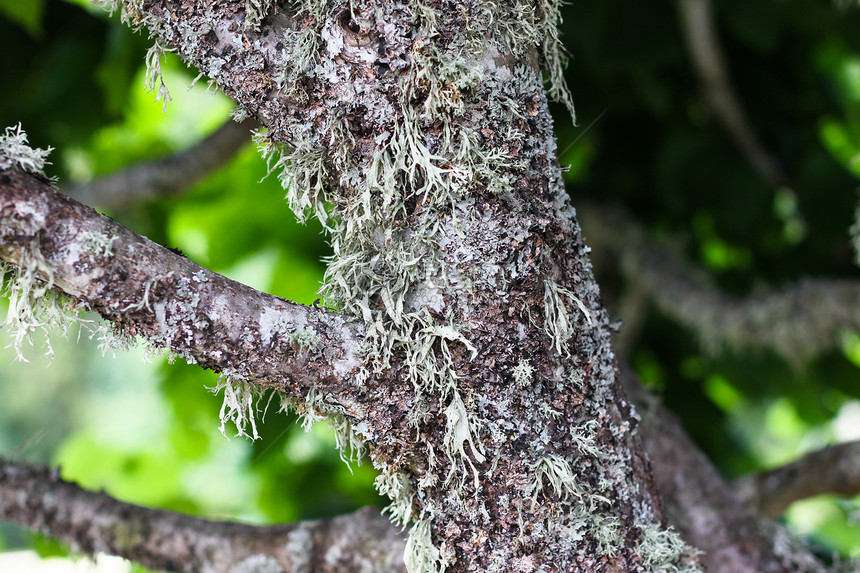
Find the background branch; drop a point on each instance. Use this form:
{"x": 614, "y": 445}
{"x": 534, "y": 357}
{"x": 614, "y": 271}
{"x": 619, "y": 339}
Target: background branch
{"x": 798, "y": 322}
{"x": 37, "y": 499}
{"x": 168, "y": 175}
{"x": 697, "y": 22}
{"x": 701, "y": 505}
{"x": 835, "y": 469}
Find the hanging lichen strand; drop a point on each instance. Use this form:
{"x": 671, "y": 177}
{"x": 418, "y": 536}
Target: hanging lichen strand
{"x": 419, "y": 134}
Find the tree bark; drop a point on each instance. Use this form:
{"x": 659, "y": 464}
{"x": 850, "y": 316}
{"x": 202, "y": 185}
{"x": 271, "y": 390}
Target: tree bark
{"x": 465, "y": 344}
{"x": 361, "y": 542}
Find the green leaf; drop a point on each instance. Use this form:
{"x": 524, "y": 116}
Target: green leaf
{"x": 25, "y": 13}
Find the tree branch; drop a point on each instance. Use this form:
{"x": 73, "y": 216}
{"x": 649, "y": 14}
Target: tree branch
{"x": 37, "y": 499}
{"x": 168, "y": 175}
{"x": 697, "y": 21}
{"x": 145, "y": 289}
{"x": 835, "y": 469}
{"x": 702, "y": 506}
{"x": 798, "y": 322}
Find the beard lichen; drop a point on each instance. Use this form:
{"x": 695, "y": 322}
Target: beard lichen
{"x": 35, "y": 306}
{"x": 33, "y": 303}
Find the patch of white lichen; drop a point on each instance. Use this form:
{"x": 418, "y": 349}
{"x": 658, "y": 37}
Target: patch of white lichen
{"x": 16, "y": 152}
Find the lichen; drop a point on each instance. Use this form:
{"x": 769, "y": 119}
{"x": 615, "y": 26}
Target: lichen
{"x": 154, "y": 80}
{"x": 663, "y": 551}
{"x": 557, "y": 320}
{"x": 523, "y": 373}
{"x": 305, "y": 339}
{"x": 239, "y": 406}
{"x": 98, "y": 243}
{"x": 34, "y": 305}
{"x": 314, "y": 408}
{"x": 15, "y": 152}
{"x": 256, "y": 11}
{"x": 259, "y": 563}
{"x": 421, "y": 555}
{"x": 554, "y": 472}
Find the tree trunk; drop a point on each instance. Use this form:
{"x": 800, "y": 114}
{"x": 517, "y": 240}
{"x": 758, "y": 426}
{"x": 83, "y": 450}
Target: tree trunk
{"x": 483, "y": 385}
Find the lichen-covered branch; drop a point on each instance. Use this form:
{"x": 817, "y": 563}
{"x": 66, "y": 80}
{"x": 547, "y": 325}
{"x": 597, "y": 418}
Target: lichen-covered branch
{"x": 835, "y": 469}
{"x": 704, "y": 508}
{"x": 167, "y": 175}
{"x": 146, "y": 290}
{"x": 798, "y": 322}
{"x": 697, "y": 22}
{"x": 37, "y": 499}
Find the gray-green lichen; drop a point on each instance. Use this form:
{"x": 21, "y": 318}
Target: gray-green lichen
{"x": 523, "y": 373}
{"x": 154, "y": 80}
{"x": 34, "y": 305}
{"x": 305, "y": 339}
{"x": 663, "y": 551}
{"x": 15, "y": 152}
{"x": 406, "y": 122}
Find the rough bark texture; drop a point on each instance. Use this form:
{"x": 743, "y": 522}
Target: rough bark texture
{"x": 699, "y": 503}
{"x": 469, "y": 349}
{"x": 362, "y": 542}
{"x": 485, "y": 387}
{"x": 425, "y": 129}
{"x": 146, "y": 290}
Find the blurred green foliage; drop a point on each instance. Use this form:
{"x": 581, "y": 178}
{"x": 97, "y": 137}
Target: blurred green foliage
{"x": 646, "y": 141}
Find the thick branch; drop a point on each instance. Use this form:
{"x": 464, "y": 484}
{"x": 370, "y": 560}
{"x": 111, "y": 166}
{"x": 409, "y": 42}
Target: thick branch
{"x": 798, "y": 322}
{"x": 37, "y": 499}
{"x": 147, "y": 290}
{"x": 697, "y": 21}
{"x": 835, "y": 469}
{"x": 167, "y": 175}
{"x": 701, "y": 505}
